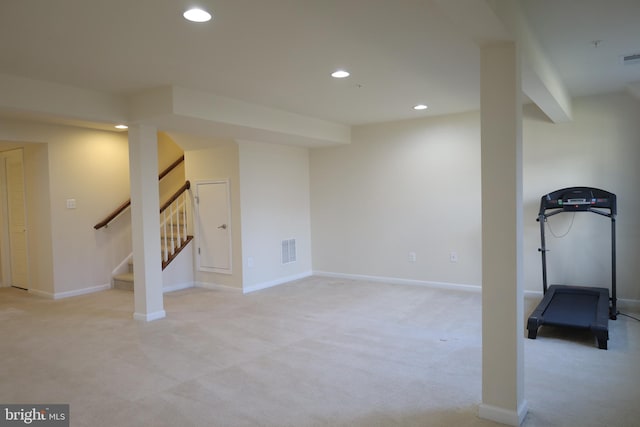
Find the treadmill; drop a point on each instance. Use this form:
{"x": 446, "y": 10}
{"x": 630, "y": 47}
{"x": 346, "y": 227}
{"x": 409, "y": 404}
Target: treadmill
{"x": 576, "y": 306}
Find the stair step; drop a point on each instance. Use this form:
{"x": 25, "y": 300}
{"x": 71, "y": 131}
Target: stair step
{"x": 123, "y": 281}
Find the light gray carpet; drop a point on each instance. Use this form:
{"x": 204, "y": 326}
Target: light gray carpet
{"x": 316, "y": 352}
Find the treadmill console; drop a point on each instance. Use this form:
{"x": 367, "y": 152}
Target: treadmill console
{"x": 578, "y": 199}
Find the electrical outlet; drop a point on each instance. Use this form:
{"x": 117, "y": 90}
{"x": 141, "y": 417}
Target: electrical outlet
{"x": 412, "y": 257}
{"x": 453, "y": 256}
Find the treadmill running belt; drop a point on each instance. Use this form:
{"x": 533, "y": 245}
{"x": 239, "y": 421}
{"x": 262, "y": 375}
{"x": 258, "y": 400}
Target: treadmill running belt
{"x": 577, "y": 310}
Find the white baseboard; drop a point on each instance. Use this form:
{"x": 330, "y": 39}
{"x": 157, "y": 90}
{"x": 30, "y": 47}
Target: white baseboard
{"x": 149, "y": 317}
{"x": 276, "y": 282}
{"x": 42, "y": 294}
{"x": 632, "y": 304}
{"x": 216, "y": 287}
{"x": 68, "y": 294}
{"x": 398, "y": 281}
{"x": 503, "y": 416}
{"x": 178, "y": 287}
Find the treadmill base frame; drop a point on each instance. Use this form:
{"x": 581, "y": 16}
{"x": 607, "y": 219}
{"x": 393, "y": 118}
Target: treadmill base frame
{"x": 546, "y": 312}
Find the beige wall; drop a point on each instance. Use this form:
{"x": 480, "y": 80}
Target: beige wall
{"x": 91, "y": 167}
{"x": 274, "y": 183}
{"x": 415, "y": 186}
{"x": 169, "y": 152}
{"x": 216, "y": 163}
{"x": 410, "y": 186}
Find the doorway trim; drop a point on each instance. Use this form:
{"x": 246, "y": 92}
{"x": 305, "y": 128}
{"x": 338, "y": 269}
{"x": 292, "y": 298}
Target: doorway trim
{"x": 6, "y": 251}
{"x": 199, "y": 226}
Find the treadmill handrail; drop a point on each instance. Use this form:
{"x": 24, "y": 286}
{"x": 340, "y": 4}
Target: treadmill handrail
{"x": 557, "y": 211}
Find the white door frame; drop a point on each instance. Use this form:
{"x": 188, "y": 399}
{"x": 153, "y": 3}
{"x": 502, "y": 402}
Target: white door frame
{"x": 5, "y": 248}
{"x": 198, "y": 226}
{"x": 5, "y": 231}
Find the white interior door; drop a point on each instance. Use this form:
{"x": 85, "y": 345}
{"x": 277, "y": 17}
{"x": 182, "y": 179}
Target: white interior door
{"x": 214, "y": 226}
{"x": 16, "y": 223}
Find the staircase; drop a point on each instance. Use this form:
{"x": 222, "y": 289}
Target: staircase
{"x": 173, "y": 229}
{"x": 173, "y": 236}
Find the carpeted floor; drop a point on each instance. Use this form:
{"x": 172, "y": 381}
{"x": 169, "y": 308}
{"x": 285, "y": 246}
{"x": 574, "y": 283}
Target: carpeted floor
{"x": 316, "y": 352}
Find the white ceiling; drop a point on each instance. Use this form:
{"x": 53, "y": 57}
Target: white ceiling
{"x": 279, "y": 53}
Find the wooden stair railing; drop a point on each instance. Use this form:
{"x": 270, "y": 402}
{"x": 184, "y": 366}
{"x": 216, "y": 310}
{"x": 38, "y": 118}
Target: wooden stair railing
{"x": 173, "y": 225}
{"x": 113, "y": 215}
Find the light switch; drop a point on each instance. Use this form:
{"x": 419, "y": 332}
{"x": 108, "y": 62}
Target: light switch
{"x": 71, "y": 203}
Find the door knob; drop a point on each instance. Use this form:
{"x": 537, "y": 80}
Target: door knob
{"x": 223, "y": 226}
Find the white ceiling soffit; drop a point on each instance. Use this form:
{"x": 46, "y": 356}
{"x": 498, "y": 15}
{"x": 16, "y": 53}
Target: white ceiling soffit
{"x": 490, "y": 21}
{"x": 22, "y": 95}
{"x": 540, "y": 81}
{"x": 181, "y": 109}
{"x": 168, "y": 108}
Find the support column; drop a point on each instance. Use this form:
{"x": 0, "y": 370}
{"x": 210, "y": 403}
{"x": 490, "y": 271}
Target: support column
{"x": 145, "y": 223}
{"x": 502, "y": 261}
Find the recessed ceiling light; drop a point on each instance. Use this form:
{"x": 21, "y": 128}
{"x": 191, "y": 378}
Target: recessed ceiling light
{"x": 197, "y": 15}
{"x": 340, "y": 74}
{"x": 420, "y": 107}
{"x": 122, "y": 127}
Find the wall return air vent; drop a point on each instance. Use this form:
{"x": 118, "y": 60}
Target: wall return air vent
{"x": 632, "y": 58}
{"x": 288, "y": 251}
